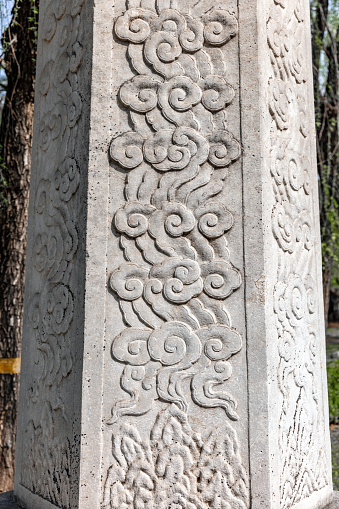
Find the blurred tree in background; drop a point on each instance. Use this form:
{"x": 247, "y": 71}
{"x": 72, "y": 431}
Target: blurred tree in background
{"x": 325, "y": 49}
{"x": 5, "y": 16}
{"x": 18, "y": 58}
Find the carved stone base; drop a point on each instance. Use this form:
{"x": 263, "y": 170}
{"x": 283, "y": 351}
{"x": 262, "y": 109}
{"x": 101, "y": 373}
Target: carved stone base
{"x": 7, "y": 501}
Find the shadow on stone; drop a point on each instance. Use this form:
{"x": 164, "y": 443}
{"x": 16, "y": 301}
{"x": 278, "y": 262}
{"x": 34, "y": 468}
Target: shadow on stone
{"x": 7, "y": 501}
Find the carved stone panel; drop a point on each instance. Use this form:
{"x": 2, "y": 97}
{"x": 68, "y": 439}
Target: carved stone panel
{"x": 175, "y": 259}
{"x": 297, "y": 349}
{"x": 48, "y": 434}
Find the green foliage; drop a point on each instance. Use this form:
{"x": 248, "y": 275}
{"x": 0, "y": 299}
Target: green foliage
{"x": 6, "y": 11}
{"x": 4, "y": 16}
{"x": 330, "y": 228}
{"x": 335, "y": 460}
{"x": 34, "y": 19}
{"x": 333, "y": 390}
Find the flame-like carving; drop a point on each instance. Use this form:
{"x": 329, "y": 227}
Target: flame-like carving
{"x": 175, "y": 467}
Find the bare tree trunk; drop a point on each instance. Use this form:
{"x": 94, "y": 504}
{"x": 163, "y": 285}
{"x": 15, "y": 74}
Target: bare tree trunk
{"x": 15, "y": 152}
{"x": 325, "y": 49}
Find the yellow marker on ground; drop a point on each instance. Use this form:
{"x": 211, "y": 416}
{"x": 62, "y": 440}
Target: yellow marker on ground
{"x": 10, "y": 366}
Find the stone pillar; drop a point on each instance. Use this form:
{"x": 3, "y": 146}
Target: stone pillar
{"x": 173, "y": 350}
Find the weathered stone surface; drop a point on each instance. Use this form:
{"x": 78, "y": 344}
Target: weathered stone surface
{"x": 7, "y": 501}
{"x": 174, "y": 340}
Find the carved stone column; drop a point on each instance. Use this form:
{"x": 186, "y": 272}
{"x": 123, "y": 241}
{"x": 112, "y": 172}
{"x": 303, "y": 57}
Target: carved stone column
{"x": 173, "y": 350}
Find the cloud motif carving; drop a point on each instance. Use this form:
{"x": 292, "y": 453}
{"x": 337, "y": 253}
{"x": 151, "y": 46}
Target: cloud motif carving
{"x": 172, "y": 350}
{"x": 175, "y": 159}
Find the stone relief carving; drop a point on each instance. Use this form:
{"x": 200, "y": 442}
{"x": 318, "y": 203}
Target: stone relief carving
{"x": 175, "y": 468}
{"x": 172, "y": 215}
{"x": 46, "y": 462}
{"x": 178, "y": 270}
{"x": 47, "y": 453}
{"x": 301, "y": 447}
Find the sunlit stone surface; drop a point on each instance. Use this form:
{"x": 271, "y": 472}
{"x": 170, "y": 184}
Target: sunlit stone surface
{"x": 173, "y": 349}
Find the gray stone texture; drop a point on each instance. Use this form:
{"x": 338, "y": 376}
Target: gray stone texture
{"x": 7, "y": 501}
{"x": 173, "y": 349}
